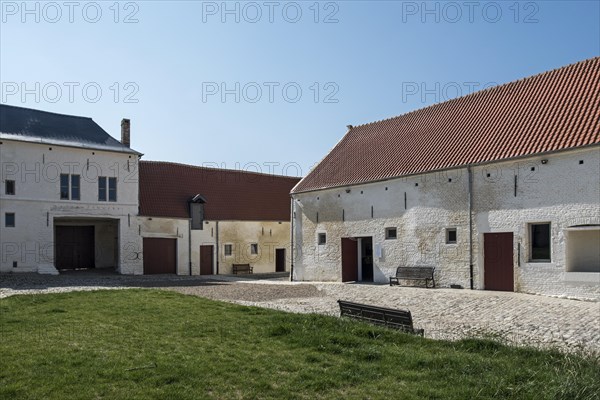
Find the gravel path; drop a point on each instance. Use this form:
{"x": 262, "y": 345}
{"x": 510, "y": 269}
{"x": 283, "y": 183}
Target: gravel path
{"x": 444, "y": 313}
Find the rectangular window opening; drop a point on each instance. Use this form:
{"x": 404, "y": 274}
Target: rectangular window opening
{"x": 322, "y": 238}
{"x": 228, "y": 249}
{"x": 391, "y": 233}
{"x": 451, "y": 236}
{"x": 75, "y": 190}
{"x": 101, "y": 188}
{"x": 9, "y": 187}
{"x": 253, "y": 248}
{"x": 112, "y": 189}
{"x": 64, "y": 186}
{"x": 9, "y": 220}
{"x": 539, "y": 238}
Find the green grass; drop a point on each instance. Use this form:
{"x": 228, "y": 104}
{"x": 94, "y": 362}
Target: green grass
{"x": 140, "y": 344}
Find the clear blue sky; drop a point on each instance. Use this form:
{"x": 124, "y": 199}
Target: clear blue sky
{"x": 375, "y": 61}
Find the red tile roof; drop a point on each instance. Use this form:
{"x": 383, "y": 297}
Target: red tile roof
{"x": 555, "y": 110}
{"x": 166, "y": 188}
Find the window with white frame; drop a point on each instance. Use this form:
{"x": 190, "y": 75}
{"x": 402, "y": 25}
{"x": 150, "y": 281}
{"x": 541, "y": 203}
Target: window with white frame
{"x": 70, "y": 187}
{"x": 107, "y": 189}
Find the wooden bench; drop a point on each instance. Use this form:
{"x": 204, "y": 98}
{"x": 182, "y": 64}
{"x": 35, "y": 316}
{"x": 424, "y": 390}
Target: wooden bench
{"x": 414, "y": 273}
{"x": 388, "y": 317}
{"x": 242, "y": 269}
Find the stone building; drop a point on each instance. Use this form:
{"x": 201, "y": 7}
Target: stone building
{"x": 196, "y": 220}
{"x": 68, "y": 196}
{"x": 498, "y": 190}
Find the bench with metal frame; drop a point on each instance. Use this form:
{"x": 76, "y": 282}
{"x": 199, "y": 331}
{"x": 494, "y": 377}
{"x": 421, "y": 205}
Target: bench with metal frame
{"x": 388, "y": 317}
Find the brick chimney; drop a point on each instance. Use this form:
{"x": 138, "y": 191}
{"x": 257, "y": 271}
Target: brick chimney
{"x": 125, "y": 130}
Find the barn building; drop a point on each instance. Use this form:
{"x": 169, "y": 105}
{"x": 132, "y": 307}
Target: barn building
{"x": 498, "y": 190}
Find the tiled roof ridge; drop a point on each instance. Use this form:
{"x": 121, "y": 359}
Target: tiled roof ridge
{"x": 45, "y": 112}
{"x": 479, "y": 92}
{"x": 156, "y": 162}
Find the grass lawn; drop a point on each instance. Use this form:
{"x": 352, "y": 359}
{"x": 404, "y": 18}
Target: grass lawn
{"x": 140, "y": 344}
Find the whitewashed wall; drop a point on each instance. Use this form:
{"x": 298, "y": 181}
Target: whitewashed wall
{"x": 36, "y": 169}
{"x": 269, "y": 235}
{"x": 562, "y": 192}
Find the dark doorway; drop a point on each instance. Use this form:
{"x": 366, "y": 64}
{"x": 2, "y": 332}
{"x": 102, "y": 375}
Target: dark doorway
{"x": 74, "y": 247}
{"x": 279, "y": 260}
{"x": 349, "y": 259}
{"x": 366, "y": 255}
{"x": 498, "y": 261}
{"x": 206, "y": 260}
{"x": 160, "y": 256}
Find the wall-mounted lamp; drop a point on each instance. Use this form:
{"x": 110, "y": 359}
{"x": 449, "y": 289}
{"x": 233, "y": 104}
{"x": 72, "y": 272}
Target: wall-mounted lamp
{"x": 544, "y": 161}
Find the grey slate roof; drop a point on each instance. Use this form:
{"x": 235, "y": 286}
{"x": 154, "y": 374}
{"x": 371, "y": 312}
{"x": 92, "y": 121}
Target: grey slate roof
{"x": 26, "y": 124}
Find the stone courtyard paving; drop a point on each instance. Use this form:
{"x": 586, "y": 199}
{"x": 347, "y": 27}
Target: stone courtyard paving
{"x": 444, "y": 313}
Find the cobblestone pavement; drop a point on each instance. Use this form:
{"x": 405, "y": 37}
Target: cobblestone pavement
{"x": 443, "y": 313}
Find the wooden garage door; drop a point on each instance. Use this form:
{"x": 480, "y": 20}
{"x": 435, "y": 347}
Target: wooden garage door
{"x": 160, "y": 256}
{"x": 74, "y": 247}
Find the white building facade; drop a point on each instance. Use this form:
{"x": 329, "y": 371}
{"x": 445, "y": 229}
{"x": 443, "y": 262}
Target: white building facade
{"x": 526, "y": 222}
{"x": 69, "y": 195}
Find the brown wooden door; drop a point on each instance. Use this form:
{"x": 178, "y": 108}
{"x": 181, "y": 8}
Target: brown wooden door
{"x": 75, "y": 247}
{"x": 349, "y": 260}
{"x": 279, "y": 260}
{"x": 160, "y": 256}
{"x": 498, "y": 261}
{"x": 206, "y": 260}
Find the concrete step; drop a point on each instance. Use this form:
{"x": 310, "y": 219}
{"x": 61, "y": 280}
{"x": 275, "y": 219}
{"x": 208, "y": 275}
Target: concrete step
{"x": 47, "y": 269}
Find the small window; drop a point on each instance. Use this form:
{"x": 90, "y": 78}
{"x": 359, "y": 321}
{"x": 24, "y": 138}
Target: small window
{"x": 112, "y": 189}
{"x": 64, "y": 186}
{"x": 451, "y": 236}
{"x": 322, "y": 239}
{"x": 9, "y": 220}
{"x": 253, "y": 248}
{"x": 228, "y": 249}
{"x": 540, "y": 242}
{"x": 107, "y": 193}
{"x": 75, "y": 192}
{"x": 101, "y": 188}
{"x": 391, "y": 233}
{"x": 9, "y": 187}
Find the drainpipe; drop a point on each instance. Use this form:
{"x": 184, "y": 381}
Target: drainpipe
{"x": 190, "y": 241}
{"x": 292, "y": 239}
{"x": 470, "y": 175}
{"x": 217, "y": 241}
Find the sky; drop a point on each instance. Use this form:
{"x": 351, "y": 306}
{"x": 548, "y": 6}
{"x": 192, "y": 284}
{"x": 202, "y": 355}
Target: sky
{"x": 270, "y": 86}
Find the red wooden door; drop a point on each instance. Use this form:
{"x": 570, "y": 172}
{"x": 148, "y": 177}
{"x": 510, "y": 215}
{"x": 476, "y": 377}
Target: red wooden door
{"x": 206, "y": 260}
{"x": 498, "y": 261}
{"x": 349, "y": 260}
{"x": 160, "y": 256}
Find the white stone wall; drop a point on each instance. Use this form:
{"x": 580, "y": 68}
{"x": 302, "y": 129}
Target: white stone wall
{"x": 36, "y": 170}
{"x": 269, "y": 235}
{"x": 562, "y": 192}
